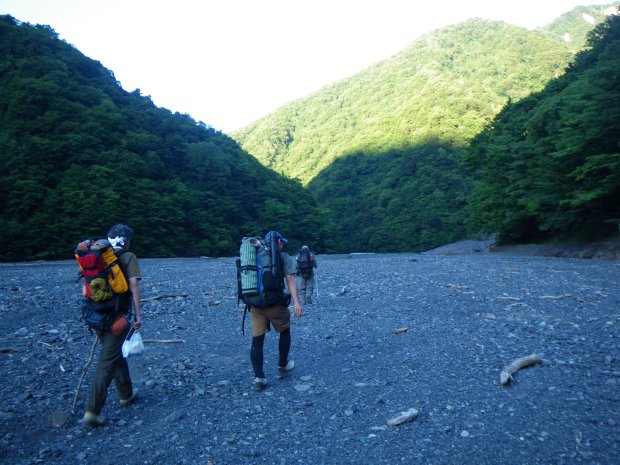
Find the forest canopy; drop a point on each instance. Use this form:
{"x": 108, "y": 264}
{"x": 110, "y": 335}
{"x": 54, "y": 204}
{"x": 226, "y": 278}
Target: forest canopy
{"x": 549, "y": 165}
{"x": 80, "y": 154}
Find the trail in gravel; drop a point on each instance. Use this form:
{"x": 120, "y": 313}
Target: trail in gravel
{"x": 389, "y": 333}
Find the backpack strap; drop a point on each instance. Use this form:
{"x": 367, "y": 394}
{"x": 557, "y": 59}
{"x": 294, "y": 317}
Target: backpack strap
{"x": 245, "y": 310}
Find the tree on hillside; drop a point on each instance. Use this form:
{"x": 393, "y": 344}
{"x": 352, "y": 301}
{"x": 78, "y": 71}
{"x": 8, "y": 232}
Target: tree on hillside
{"x": 79, "y": 154}
{"x": 550, "y": 164}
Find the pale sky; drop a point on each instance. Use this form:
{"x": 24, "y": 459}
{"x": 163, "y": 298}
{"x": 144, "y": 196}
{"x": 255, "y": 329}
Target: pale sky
{"x": 230, "y": 62}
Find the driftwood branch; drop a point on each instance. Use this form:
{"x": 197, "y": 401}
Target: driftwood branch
{"x": 50, "y": 346}
{"x": 506, "y": 374}
{"x": 404, "y": 417}
{"x": 162, "y": 341}
{"x": 163, "y": 296}
{"x": 554, "y": 297}
{"x": 84, "y": 370}
{"x": 6, "y": 350}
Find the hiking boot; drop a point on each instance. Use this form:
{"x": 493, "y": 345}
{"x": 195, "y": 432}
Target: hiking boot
{"x": 288, "y": 367}
{"x": 92, "y": 420}
{"x": 260, "y": 384}
{"x": 131, "y": 400}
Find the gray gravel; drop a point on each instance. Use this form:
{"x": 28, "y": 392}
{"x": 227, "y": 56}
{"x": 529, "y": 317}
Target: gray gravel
{"x": 461, "y": 319}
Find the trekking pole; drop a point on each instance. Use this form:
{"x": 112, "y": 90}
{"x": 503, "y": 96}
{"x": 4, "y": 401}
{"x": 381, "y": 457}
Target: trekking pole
{"x": 84, "y": 370}
{"x": 316, "y": 286}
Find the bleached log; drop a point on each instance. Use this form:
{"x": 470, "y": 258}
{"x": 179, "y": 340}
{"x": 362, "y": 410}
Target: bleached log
{"x": 49, "y": 346}
{"x": 404, "y": 417}
{"x": 400, "y": 330}
{"x": 554, "y": 297}
{"x": 6, "y": 350}
{"x": 506, "y": 374}
{"x": 456, "y": 286}
{"x": 163, "y": 296}
{"x": 162, "y": 341}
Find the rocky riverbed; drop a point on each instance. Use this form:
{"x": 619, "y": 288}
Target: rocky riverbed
{"x": 388, "y": 333}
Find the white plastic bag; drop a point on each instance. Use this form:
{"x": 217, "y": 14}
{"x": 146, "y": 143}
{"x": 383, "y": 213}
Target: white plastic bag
{"x": 133, "y": 345}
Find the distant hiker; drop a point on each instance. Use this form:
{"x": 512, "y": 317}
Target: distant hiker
{"x": 277, "y": 314}
{"x": 306, "y": 263}
{"x": 111, "y": 364}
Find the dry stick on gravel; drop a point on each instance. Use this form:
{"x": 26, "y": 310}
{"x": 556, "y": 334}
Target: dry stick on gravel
{"x": 404, "y": 417}
{"x": 506, "y": 375}
{"x": 84, "y": 370}
{"x": 162, "y": 341}
{"x": 6, "y": 350}
{"x": 164, "y": 296}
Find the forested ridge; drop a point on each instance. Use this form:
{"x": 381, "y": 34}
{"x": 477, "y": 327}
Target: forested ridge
{"x": 80, "y": 154}
{"x": 549, "y": 165}
{"x": 383, "y": 161}
{"x": 383, "y": 149}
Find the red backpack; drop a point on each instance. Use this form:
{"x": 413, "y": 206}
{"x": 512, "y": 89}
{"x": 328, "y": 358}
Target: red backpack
{"x": 104, "y": 281}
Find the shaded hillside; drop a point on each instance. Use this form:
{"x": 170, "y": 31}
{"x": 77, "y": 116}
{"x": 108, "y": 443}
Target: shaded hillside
{"x": 410, "y": 199}
{"x": 549, "y": 166}
{"x": 78, "y": 153}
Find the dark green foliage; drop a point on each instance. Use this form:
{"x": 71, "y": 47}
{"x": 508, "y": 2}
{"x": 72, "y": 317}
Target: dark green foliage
{"x": 382, "y": 151}
{"x": 78, "y": 154}
{"x": 549, "y": 165}
{"x": 404, "y": 200}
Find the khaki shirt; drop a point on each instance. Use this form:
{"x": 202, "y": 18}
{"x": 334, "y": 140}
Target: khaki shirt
{"x": 130, "y": 265}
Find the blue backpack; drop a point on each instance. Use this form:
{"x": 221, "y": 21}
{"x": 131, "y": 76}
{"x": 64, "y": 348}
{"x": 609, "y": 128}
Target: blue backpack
{"x": 260, "y": 275}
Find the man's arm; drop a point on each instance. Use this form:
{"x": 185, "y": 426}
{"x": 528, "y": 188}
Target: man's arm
{"x": 134, "y": 285}
{"x": 292, "y": 287}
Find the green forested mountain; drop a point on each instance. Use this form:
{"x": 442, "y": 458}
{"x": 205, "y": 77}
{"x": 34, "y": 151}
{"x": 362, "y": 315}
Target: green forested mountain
{"x": 78, "y": 153}
{"x": 549, "y": 165}
{"x": 382, "y": 150}
{"x": 573, "y": 27}
{"x": 443, "y": 88}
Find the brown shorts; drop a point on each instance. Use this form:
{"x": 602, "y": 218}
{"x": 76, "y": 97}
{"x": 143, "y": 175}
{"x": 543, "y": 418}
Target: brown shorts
{"x": 279, "y": 316}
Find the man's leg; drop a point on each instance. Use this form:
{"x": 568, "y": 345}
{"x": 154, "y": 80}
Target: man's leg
{"x": 256, "y": 355}
{"x": 302, "y": 290}
{"x": 284, "y": 346}
{"x": 105, "y": 371}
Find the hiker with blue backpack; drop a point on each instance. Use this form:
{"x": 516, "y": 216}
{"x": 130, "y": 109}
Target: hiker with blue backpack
{"x": 262, "y": 270}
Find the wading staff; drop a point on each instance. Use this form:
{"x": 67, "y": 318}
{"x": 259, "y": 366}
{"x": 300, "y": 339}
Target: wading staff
{"x": 84, "y": 370}
{"x": 316, "y": 286}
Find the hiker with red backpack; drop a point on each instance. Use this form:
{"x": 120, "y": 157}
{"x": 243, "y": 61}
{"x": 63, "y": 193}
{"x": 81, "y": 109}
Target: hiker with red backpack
{"x": 306, "y": 263}
{"x": 114, "y": 328}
